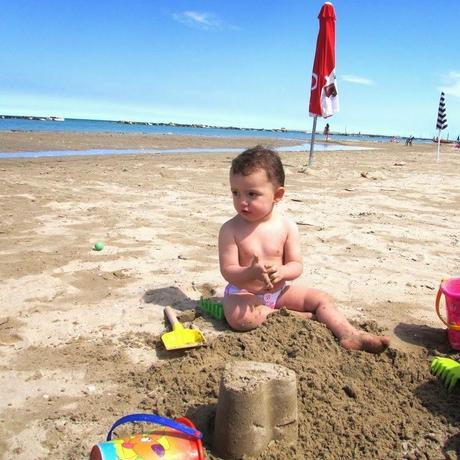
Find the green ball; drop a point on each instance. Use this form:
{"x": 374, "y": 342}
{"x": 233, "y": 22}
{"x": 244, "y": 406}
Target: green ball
{"x": 99, "y": 246}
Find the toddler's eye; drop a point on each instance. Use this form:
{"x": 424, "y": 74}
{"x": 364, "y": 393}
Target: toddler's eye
{"x": 234, "y": 193}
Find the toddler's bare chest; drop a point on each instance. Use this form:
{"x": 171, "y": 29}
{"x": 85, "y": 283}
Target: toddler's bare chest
{"x": 264, "y": 243}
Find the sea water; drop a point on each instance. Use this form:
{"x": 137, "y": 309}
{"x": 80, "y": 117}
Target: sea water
{"x": 104, "y": 126}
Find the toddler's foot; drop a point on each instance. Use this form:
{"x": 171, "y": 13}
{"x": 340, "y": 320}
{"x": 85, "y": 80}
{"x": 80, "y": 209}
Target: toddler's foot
{"x": 366, "y": 342}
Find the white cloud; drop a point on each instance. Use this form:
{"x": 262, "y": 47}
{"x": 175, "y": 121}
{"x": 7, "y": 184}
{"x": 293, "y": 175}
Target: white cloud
{"x": 205, "y": 21}
{"x": 358, "y": 80}
{"x": 451, "y": 84}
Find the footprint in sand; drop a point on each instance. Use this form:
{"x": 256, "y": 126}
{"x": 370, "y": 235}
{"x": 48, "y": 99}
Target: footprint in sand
{"x": 8, "y": 336}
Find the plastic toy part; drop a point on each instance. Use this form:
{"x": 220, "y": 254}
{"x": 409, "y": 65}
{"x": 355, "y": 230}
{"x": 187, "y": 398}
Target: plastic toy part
{"x": 214, "y": 309}
{"x": 172, "y": 439}
{"x": 447, "y": 370}
{"x": 451, "y": 290}
{"x": 99, "y": 246}
{"x": 180, "y": 337}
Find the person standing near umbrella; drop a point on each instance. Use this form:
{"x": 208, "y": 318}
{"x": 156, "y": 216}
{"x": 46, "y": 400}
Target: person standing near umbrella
{"x": 326, "y": 132}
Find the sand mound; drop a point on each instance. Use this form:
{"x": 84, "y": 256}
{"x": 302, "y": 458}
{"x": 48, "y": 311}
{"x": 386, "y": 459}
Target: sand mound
{"x": 351, "y": 404}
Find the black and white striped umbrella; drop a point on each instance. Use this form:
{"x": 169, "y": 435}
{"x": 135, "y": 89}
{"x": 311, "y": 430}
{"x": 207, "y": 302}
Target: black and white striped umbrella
{"x": 442, "y": 118}
{"x": 441, "y": 122}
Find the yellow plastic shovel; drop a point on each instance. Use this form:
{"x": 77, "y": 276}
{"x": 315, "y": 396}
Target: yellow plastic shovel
{"x": 180, "y": 337}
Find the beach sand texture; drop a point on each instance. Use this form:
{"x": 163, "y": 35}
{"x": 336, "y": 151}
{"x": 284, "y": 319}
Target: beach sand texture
{"x": 80, "y": 329}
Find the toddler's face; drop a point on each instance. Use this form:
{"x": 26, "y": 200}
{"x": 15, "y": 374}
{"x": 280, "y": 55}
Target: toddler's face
{"x": 254, "y": 195}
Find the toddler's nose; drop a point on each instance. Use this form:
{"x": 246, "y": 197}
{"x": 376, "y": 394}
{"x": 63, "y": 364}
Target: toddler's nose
{"x": 243, "y": 201}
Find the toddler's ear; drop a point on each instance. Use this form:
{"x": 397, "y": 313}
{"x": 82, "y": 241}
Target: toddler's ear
{"x": 279, "y": 193}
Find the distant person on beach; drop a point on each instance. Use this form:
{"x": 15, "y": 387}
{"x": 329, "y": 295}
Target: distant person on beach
{"x": 326, "y": 132}
{"x": 409, "y": 140}
{"x": 259, "y": 253}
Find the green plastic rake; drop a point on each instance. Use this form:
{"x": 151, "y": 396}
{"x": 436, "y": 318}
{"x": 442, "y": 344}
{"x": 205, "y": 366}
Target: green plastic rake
{"x": 447, "y": 370}
{"x": 215, "y": 309}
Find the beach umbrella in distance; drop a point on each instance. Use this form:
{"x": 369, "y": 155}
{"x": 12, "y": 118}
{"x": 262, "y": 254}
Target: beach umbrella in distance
{"x": 324, "y": 100}
{"x": 441, "y": 122}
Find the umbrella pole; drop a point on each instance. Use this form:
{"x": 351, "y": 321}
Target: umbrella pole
{"x": 312, "y": 142}
{"x": 439, "y": 144}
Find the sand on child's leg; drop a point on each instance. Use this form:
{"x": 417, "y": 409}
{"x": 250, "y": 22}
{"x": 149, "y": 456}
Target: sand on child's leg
{"x": 307, "y": 300}
{"x": 349, "y": 337}
{"x": 297, "y": 314}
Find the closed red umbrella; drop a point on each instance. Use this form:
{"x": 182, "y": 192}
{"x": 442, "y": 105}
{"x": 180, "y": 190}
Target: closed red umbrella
{"x": 324, "y": 100}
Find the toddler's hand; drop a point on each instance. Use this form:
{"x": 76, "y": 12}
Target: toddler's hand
{"x": 274, "y": 273}
{"x": 260, "y": 272}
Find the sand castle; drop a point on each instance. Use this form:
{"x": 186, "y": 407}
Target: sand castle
{"x": 257, "y": 404}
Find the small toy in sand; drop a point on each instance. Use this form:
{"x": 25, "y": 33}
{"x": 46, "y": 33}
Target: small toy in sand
{"x": 180, "y": 337}
{"x": 215, "y": 309}
{"x": 172, "y": 439}
{"x": 451, "y": 290}
{"x": 447, "y": 369}
{"x": 99, "y": 246}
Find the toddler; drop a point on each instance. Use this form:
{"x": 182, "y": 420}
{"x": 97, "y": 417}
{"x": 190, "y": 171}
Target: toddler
{"x": 259, "y": 253}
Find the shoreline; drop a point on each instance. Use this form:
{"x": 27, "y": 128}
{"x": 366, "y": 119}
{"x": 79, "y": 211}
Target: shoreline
{"x": 45, "y": 141}
{"x": 36, "y": 141}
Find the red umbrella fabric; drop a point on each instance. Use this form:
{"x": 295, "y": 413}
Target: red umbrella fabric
{"x": 324, "y": 100}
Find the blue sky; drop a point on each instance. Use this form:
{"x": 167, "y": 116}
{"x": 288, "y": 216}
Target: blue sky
{"x": 240, "y": 63}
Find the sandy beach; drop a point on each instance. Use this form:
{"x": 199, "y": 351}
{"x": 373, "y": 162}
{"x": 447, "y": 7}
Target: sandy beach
{"x": 80, "y": 329}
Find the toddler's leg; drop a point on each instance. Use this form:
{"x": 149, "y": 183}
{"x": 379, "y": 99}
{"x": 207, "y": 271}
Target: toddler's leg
{"x": 300, "y": 298}
{"x": 244, "y": 312}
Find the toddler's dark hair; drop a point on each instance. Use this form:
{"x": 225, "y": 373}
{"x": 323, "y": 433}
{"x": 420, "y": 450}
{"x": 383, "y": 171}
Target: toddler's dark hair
{"x": 259, "y": 157}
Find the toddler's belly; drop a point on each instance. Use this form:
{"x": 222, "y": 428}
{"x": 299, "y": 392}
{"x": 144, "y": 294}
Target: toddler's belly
{"x": 258, "y": 287}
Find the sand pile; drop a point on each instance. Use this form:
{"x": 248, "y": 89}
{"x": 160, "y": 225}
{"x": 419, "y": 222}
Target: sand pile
{"x": 351, "y": 404}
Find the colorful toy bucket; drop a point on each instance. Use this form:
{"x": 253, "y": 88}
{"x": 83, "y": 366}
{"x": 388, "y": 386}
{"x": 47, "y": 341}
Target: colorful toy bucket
{"x": 451, "y": 290}
{"x": 174, "y": 440}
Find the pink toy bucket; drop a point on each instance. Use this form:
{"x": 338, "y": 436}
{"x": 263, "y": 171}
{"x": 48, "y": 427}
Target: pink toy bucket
{"x": 451, "y": 290}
